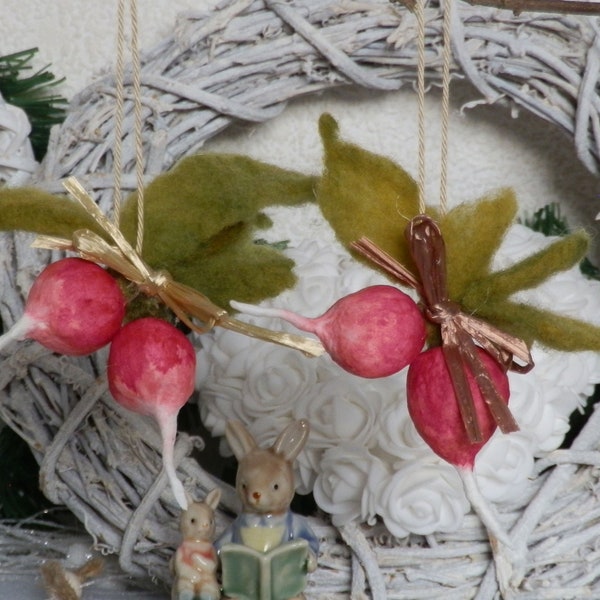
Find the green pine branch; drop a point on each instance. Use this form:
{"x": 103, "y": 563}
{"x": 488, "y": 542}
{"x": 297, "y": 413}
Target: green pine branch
{"x": 32, "y": 91}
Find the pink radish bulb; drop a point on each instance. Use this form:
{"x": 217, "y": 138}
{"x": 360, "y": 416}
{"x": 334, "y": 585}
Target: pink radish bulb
{"x": 374, "y": 332}
{"x": 74, "y": 307}
{"x": 433, "y": 406}
{"x": 151, "y": 371}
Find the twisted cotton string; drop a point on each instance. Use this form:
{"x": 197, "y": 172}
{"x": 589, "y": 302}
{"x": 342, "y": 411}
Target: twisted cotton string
{"x": 118, "y": 143}
{"x": 447, "y": 58}
{"x": 420, "y": 16}
{"x": 445, "y": 108}
{"x": 139, "y": 148}
{"x": 119, "y": 117}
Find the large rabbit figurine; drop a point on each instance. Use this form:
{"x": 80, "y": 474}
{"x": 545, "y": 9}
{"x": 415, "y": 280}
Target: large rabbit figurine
{"x": 267, "y": 551}
{"x": 195, "y": 562}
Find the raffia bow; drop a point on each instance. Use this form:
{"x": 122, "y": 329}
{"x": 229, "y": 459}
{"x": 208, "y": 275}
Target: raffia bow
{"x": 461, "y": 333}
{"x": 186, "y": 302}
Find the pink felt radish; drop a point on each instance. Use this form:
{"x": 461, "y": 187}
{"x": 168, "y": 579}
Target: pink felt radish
{"x": 74, "y": 307}
{"x": 434, "y": 409}
{"x": 374, "y": 332}
{"x": 151, "y": 371}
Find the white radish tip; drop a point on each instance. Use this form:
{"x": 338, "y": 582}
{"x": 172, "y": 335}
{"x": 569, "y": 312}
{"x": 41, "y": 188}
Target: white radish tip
{"x": 18, "y": 332}
{"x": 253, "y": 310}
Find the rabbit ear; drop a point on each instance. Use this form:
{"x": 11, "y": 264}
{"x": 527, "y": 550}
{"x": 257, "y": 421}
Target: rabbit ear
{"x": 212, "y": 498}
{"x": 240, "y": 439}
{"x": 189, "y": 498}
{"x": 291, "y": 440}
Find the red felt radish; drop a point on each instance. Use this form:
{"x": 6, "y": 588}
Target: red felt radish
{"x": 434, "y": 409}
{"x": 374, "y": 332}
{"x": 74, "y": 307}
{"x": 151, "y": 371}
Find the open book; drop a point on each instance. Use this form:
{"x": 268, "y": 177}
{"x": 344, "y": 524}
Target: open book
{"x": 276, "y": 575}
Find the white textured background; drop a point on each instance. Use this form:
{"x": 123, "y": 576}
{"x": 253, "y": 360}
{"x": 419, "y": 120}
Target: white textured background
{"x": 488, "y": 147}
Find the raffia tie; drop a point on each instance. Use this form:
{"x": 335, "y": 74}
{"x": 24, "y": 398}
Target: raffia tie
{"x": 461, "y": 333}
{"x": 186, "y": 302}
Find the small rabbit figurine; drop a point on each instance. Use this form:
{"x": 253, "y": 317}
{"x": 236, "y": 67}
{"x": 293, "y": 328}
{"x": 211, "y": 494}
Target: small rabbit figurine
{"x": 271, "y": 546}
{"x": 195, "y": 562}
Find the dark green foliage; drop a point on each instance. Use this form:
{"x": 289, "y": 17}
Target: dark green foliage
{"x": 19, "y": 488}
{"x": 547, "y": 220}
{"x": 32, "y": 93}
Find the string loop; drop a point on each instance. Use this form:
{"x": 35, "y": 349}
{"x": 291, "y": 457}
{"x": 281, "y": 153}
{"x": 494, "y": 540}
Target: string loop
{"x": 445, "y": 105}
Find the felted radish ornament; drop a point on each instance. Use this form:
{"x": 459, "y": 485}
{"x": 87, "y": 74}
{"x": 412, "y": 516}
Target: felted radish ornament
{"x": 74, "y": 307}
{"x": 457, "y": 393}
{"x": 151, "y": 371}
{"x": 435, "y": 411}
{"x": 374, "y": 332}
{"x": 434, "y": 408}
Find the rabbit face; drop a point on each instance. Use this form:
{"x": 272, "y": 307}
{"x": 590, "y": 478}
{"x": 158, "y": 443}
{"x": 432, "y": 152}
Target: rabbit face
{"x": 198, "y": 522}
{"x": 265, "y": 483}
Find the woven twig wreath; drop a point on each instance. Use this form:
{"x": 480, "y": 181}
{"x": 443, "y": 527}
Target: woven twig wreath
{"x": 243, "y": 62}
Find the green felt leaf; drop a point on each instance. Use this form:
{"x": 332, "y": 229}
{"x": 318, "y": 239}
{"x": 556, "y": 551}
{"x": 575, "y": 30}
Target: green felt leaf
{"x": 200, "y": 217}
{"x": 363, "y": 194}
{"x": 550, "y": 329}
{"x": 472, "y": 234}
{"x": 36, "y": 211}
{"x": 199, "y": 220}
{"x": 530, "y": 272}
{"x": 206, "y": 193}
{"x": 243, "y": 270}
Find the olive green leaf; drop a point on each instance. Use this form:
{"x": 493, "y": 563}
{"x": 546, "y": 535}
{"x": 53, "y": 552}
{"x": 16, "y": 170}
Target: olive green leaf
{"x": 206, "y": 193}
{"x": 549, "y": 328}
{"x": 363, "y": 194}
{"x": 528, "y": 273}
{"x": 472, "y": 234}
{"x": 199, "y": 220}
{"x": 240, "y": 269}
{"x": 36, "y": 211}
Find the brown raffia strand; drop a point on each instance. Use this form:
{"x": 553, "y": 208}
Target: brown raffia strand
{"x": 459, "y": 331}
{"x": 241, "y": 62}
{"x": 568, "y": 7}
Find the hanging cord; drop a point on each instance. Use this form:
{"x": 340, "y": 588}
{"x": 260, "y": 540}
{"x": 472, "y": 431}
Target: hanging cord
{"x": 420, "y": 15}
{"x": 119, "y": 117}
{"x": 118, "y": 143}
{"x": 139, "y": 147}
{"x": 447, "y": 59}
{"x": 445, "y": 110}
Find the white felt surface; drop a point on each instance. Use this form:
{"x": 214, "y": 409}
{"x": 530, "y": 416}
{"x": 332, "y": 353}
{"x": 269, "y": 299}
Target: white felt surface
{"x": 488, "y": 148}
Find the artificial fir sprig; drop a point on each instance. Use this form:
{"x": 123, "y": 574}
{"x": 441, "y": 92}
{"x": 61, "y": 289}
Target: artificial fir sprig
{"x": 32, "y": 93}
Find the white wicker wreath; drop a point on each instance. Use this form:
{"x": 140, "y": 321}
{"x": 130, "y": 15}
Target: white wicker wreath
{"x": 243, "y": 62}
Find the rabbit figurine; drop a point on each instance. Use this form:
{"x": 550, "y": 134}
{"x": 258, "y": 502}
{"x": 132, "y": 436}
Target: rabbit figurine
{"x": 273, "y": 547}
{"x": 195, "y": 562}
